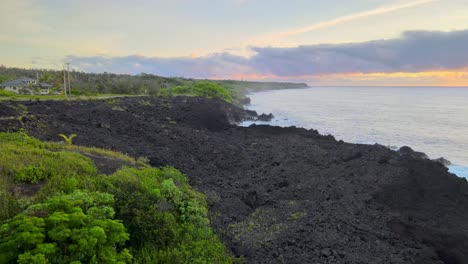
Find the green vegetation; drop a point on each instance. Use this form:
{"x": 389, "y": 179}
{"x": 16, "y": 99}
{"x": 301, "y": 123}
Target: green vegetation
{"x": 27, "y": 162}
{"x": 67, "y": 228}
{"x": 4, "y": 77}
{"x": 297, "y": 216}
{"x": 100, "y": 152}
{"x": 166, "y": 218}
{"x": 56, "y": 208}
{"x": 96, "y": 85}
{"x": 6, "y": 93}
{"x": 260, "y": 228}
{"x": 212, "y": 90}
{"x": 245, "y": 87}
{"x": 203, "y": 89}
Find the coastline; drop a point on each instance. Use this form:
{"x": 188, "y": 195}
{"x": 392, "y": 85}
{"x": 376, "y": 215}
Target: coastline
{"x": 341, "y": 124}
{"x": 459, "y": 170}
{"x": 275, "y": 194}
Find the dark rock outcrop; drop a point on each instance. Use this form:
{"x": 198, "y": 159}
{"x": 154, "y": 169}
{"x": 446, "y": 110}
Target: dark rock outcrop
{"x": 265, "y": 117}
{"x": 409, "y": 152}
{"x": 443, "y": 161}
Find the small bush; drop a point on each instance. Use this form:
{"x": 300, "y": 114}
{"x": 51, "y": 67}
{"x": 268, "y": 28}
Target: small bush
{"x": 74, "y": 228}
{"x": 32, "y": 174}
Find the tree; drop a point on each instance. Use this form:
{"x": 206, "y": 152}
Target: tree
{"x": 69, "y": 228}
{"x": 4, "y": 78}
{"x": 47, "y": 77}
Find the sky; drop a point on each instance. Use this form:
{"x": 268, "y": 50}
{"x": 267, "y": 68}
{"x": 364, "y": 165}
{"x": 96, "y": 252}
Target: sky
{"x": 333, "y": 42}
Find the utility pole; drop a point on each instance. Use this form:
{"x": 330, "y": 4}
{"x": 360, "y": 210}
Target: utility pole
{"x": 64, "y": 81}
{"x": 69, "y": 85}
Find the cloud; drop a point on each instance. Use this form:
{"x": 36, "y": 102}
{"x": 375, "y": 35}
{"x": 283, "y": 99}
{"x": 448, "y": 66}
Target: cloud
{"x": 340, "y": 20}
{"x": 219, "y": 64}
{"x": 414, "y": 51}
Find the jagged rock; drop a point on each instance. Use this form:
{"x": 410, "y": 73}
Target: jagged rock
{"x": 443, "y": 161}
{"x": 407, "y": 151}
{"x": 265, "y": 117}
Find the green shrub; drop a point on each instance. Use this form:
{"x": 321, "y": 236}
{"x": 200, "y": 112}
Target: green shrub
{"x": 32, "y": 174}
{"x": 212, "y": 90}
{"x": 182, "y": 89}
{"x": 9, "y": 205}
{"x": 207, "y": 89}
{"x": 167, "y": 219}
{"x": 73, "y": 228}
{"x": 177, "y": 90}
{"x": 20, "y": 139}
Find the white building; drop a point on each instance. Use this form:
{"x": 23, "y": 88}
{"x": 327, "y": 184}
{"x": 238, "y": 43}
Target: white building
{"x": 27, "y": 86}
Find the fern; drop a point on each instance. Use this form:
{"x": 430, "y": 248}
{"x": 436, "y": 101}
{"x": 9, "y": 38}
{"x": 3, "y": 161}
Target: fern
{"x": 68, "y": 140}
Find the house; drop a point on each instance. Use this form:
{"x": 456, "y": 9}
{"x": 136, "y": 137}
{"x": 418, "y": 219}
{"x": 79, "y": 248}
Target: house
{"x": 27, "y": 86}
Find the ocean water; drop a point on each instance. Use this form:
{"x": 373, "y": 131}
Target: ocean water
{"x": 433, "y": 120}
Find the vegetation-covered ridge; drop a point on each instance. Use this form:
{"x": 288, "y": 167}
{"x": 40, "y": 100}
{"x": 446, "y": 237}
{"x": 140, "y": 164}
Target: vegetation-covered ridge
{"x": 56, "y": 208}
{"x": 91, "y": 84}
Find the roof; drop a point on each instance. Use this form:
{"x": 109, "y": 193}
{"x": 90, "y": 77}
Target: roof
{"x": 23, "y": 82}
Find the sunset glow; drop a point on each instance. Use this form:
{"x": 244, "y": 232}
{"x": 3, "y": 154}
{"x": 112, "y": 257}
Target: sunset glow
{"x": 430, "y": 78}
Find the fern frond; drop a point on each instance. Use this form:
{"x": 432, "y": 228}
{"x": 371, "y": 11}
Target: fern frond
{"x": 68, "y": 140}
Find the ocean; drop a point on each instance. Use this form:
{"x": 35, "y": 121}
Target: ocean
{"x": 433, "y": 120}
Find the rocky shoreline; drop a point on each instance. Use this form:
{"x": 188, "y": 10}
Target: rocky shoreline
{"x": 276, "y": 195}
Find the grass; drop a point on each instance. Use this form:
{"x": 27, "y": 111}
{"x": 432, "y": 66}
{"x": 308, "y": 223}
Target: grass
{"x": 5, "y": 95}
{"x": 14, "y": 96}
{"x": 297, "y": 216}
{"x": 100, "y": 152}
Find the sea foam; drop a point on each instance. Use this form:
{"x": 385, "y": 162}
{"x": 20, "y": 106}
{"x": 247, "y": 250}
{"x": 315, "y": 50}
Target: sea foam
{"x": 460, "y": 171}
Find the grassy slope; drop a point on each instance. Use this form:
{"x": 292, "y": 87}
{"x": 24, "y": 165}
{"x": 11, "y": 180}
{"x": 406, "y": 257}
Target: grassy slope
{"x": 30, "y": 170}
